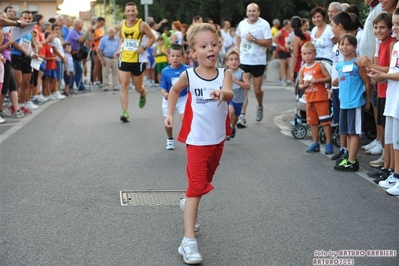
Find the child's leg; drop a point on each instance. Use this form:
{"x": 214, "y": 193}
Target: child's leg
{"x": 190, "y": 216}
{"x": 202, "y": 162}
{"x": 315, "y": 133}
{"x": 169, "y": 132}
{"x": 53, "y": 85}
{"x": 46, "y": 85}
{"x": 354, "y": 141}
{"x": 328, "y": 133}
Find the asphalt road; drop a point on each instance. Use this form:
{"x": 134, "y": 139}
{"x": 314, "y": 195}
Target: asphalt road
{"x": 63, "y": 167}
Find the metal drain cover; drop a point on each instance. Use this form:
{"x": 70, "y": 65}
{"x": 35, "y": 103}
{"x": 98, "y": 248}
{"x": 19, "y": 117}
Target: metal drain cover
{"x": 151, "y": 197}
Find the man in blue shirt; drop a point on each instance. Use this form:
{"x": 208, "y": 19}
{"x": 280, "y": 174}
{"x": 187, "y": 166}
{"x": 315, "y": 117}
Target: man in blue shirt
{"x": 76, "y": 38}
{"x": 106, "y": 50}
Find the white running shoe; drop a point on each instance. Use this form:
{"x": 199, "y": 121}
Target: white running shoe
{"x": 370, "y": 145}
{"x": 242, "y": 122}
{"x": 57, "y": 95}
{"x": 170, "y": 144}
{"x": 2, "y": 120}
{"x": 51, "y": 97}
{"x": 394, "y": 191}
{"x": 43, "y": 98}
{"x": 377, "y": 149}
{"x": 190, "y": 253}
{"x": 389, "y": 182}
{"x": 31, "y": 106}
{"x": 197, "y": 224}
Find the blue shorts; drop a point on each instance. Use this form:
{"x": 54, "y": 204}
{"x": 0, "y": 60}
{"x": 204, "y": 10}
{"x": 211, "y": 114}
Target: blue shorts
{"x": 50, "y": 73}
{"x": 350, "y": 121}
{"x": 336, "y": 106}
{"x": 237, "y": 107}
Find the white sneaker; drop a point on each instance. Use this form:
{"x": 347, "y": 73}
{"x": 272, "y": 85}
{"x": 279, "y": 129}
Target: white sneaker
{"x": 2, "y": 120}
{"x": 190, "y": 253}
{"x": 31, "y": 106}
{"x": 43, "y": 98}
{"x": 377, "y": 149}
{"x": 51, "y": 97}
{"x": 389, "y": 182}
{"x": 370, "y": 145}
{"x": 394, "y": 191}
{"x": 170, "y": 144}
{"x": 57, "y": 95}
{"x": 242, "y": 122}
{"x": 197, "y": 224}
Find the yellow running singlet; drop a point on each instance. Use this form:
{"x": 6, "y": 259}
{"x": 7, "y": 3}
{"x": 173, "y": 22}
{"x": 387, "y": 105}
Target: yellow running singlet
{"x": 131, "y": 41}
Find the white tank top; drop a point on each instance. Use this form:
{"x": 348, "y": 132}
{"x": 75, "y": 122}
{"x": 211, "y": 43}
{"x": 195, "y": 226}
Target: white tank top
{"x": 204, "y": 123}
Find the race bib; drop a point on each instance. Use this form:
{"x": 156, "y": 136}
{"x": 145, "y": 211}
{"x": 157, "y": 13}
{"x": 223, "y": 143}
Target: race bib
{"x": 207, "y": 92}
{"x": 307, "y": 77}
{"x": 25, "y": 45}
{"x": 246, "y": 46}
{"x": 347, "y": 68}
{"x": 174, "y": 80}
{"x": 130, "y": 45}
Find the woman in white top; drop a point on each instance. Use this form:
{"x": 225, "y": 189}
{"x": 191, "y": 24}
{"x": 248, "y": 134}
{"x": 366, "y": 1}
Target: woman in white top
{"x": 177, "y": 36}
{"x": 322, "y": 36}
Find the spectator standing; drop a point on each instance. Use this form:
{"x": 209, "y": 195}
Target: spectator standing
{"x": 334, "y": 8}
{"x": 95, "y": 37}
{"x": 106, "y": 50}
{"x": 283, "y": 50}
{"x": 76, "y": 38}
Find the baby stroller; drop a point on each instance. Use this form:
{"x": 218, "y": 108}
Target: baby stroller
{"x": 299, "y": 128}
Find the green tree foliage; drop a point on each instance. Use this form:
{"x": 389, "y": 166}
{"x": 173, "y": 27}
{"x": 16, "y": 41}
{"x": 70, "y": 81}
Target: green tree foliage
{"x": 220, "y": 10}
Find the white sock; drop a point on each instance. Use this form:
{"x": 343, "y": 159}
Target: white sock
{"x": 186, "y": 239}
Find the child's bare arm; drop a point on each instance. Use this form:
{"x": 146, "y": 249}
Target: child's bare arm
{"x": 303, "y": 84}
{"x": 226, "y": 93}
{"x": 326, "y": 74}
{"x": 245, "y": 84}
{"x": 367, "y": 84}
{"x": 164, "y": 93}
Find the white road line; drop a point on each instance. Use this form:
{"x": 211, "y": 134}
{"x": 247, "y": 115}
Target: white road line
{"x": 286, "y": 130}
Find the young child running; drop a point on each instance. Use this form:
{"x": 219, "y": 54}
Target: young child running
{"x": 169, "y": 76}
{"x": 240, "y": 84}
{"x": 352, "y": 79}
{"x": 391, "y": 111}
{"x": 205, "y": 125}
{"x": 312, "y": 78}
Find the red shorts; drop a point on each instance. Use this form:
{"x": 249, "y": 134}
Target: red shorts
{"x": 318, "y": 112}
{"x": 202, "y": 162}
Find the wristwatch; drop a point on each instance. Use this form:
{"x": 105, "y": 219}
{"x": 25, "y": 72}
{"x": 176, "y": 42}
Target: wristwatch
{"x": 18, "y": 23}
{"x": 254, "y": 40}
{"x": 144, "y": 47}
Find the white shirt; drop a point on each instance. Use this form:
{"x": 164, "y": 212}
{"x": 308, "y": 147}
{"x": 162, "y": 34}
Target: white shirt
{"x": 58, "y": 44}
{"x": 252, "y": 53}
{"x": 324, "y": 43}
{"x": 204, "y": 122}
{"x": 392, "y": 97}
{"x": 367, "y": 45}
